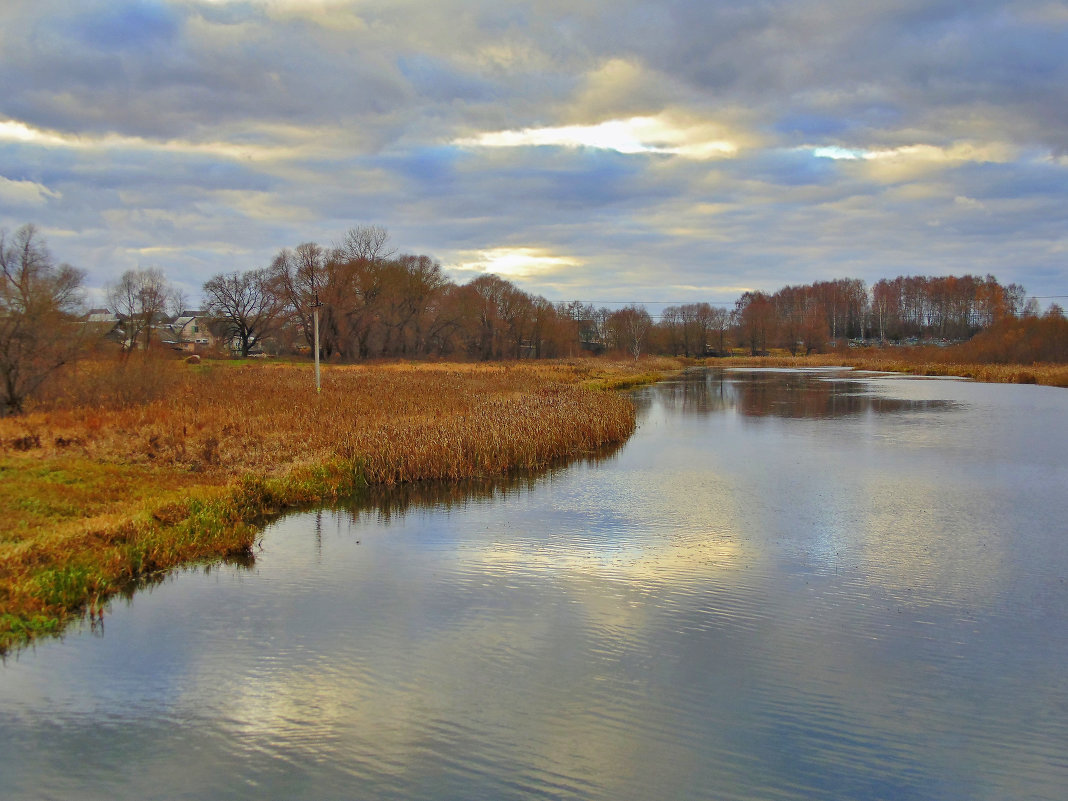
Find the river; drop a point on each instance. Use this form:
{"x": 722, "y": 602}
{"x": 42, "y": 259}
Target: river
{"x": 786, "y": 585}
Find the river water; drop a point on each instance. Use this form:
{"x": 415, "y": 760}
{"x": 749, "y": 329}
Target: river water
{"x": 786, "y": 585}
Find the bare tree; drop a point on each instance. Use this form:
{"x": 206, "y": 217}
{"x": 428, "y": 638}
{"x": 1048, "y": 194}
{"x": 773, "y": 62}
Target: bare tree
{"x": 298, "y": 277}
{"x": 246, "y": 302}
{"x": 38, "y": 301}
{"x": 139, "y": 298}
{"x": 366, "y": 242}
{"x": 178, "y": 302}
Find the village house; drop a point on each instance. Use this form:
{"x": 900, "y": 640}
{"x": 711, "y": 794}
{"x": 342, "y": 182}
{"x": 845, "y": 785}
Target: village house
{"x": 104, "y": 324}
{"x": 190, "y": 332}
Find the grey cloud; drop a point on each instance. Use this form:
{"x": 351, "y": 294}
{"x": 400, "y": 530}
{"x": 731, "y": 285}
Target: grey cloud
{"x": 356, "y": 110}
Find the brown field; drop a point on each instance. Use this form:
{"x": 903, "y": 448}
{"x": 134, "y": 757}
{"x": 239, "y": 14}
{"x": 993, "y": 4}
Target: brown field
{"x": 136, "y": 470}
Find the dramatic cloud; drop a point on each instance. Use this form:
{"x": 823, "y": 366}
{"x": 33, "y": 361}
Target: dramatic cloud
{"x": 623, "y": 150}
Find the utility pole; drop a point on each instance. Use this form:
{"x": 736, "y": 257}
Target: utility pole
{"x": 315, "y": 316}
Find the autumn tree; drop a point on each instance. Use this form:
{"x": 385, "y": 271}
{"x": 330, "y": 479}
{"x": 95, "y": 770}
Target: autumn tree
{"x": 246, "y": 302}
{"x": 409, "y": 288}
{"x": 516, "y": 311}
{"x": 38, "y": 302}
{"x": 446, "y": 314}
{"x": 756, "y": 320}
{"x": 801, "y": 319}
{"x": 553, "y": 333}
{"x": 1022, "y": 340}
{"x": 845, "y": 305}
{"x": 487, "y": 295}
{"x": 631, "y": 326}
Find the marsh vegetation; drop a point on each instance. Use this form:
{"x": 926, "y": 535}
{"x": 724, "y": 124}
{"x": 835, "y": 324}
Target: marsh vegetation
{"x": 185, "y": 464}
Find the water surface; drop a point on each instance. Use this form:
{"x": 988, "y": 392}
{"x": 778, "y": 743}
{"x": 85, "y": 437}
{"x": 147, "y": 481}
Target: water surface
{"x": 786, "y": 585}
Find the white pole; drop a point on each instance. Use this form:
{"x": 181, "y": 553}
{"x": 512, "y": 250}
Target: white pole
{"x": 315, "y": 306}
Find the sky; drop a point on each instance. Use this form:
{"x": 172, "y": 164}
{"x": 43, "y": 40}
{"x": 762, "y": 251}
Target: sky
{"x": 599, "y": 150}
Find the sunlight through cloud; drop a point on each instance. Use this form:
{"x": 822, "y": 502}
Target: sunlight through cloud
{"x": 19, "y": 132}
{"x": 959, "y": 152}
{"x": 512, "y": 262}
{"x": 630, "y": 136}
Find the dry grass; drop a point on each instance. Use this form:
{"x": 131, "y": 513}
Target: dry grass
{"x": 918, "y": 362}
{"x": 94, "y": 496}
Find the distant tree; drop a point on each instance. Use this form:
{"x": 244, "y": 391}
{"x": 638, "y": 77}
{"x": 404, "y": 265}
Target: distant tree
{"x": 488, "y": 295}
{"x": 844, "y": 303}
{"x": 801, "y": 319}
{"x": 38, "y": 303}
{"x": 1021, "y": 340}
{"x": 700, "y": 321}
{"x": 554, "y": 333}
{"x": 246, "y": 302}
{"x": 756, "y": 319}
{"x": 366, "y": 243}
{"x": 720, "y": 325}
{"x": 886, "y": 307}
{"x": 299, "y": 277}
{"x": 410, "y": 287}
{"x": 1015, "y": 298}
{"x": 178, "y": 302}
{"x": 140, "y": 298}
{"x": 516, "y": 311}
{"x": 446, "y": 315}
{"x": 631, "y": 325}
{"x": 671, "y": 331}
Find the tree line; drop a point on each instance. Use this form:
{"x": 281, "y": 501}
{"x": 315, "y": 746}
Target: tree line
{"x": 804, "y": 319}
{"x": 373, "y": 303}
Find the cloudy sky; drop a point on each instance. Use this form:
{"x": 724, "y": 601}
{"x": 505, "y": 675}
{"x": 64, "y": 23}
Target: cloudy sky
{"x": 603, "y": 150}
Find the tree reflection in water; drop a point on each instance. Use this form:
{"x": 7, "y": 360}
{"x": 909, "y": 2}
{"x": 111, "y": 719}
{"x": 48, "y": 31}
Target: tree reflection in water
{"x": 816, "y": 394}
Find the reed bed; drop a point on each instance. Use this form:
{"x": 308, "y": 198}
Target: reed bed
{"x": 921, "y": 363}
{"x": 97, "y": 495}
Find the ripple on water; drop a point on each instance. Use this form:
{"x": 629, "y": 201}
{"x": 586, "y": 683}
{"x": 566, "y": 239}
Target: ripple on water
{"x": 774, "y": 591}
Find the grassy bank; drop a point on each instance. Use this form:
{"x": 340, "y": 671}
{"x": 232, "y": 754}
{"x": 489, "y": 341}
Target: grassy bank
{"x": 95, "y": 495}
{"x": 920, "y": 361}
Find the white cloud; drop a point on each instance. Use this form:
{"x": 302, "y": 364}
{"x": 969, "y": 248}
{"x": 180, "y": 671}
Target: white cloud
{"x": 20, "y": 132}
{"x": 837, "y": 153}
{"x": 635, "y": 135}
{"x": 25, "y": 193}
{"x": 968, "y": 202}
{"x": 990, "y": 152}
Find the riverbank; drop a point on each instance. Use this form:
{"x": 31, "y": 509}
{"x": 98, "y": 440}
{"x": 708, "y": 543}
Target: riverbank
{"x": 1055, "y": 375}
{"x": 95, "y": 497}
